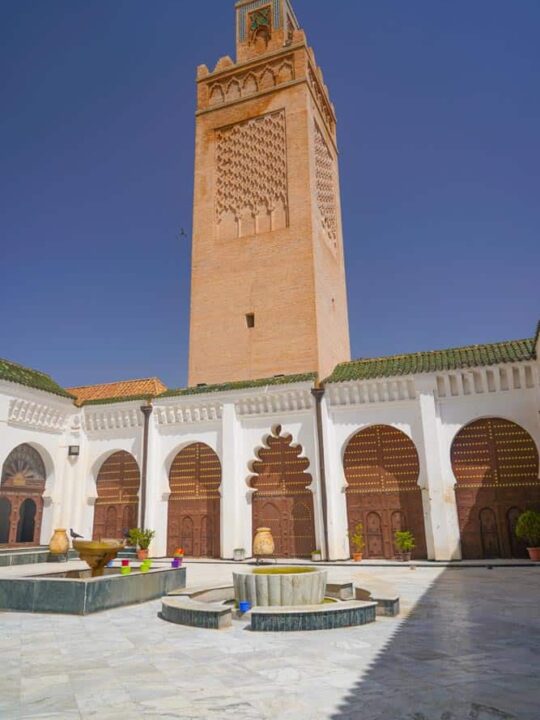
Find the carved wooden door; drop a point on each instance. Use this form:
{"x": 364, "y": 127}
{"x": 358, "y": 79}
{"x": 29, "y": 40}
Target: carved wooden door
{"x": 495, "y": 463}
{"x": 266, "y": 514}
{"x": 489, "y": 533}
{"x": 375, "y": 542}
{"x": 382, "y": 468}
{"x": 21, "y": 493}
{"x": 195, "y": 502}
{"x": 117, "y": 503}
{"x": 282, "y": 501}
{"x": 518, "y": 547}
{"x": 5, "y": 519}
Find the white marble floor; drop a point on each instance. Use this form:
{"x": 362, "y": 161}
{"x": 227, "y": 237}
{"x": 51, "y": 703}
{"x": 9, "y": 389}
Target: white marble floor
{"x": 465, "y": 648}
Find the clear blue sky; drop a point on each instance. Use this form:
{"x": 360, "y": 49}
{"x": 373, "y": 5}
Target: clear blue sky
{"x": 439, "y": 118}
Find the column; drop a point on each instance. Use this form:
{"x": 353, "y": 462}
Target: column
{"x": 438, "y": 496}
{"x": 338, "y": 543}
{"x": 235, "y": 510}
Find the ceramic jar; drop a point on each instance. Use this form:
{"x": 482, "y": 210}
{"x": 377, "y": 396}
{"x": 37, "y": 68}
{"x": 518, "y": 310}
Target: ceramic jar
{"x": 59, "y": 543}
{"x": 263, "y": 543}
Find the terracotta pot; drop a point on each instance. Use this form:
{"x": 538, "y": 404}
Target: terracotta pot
{"x": 263, "y": 543}
{"x": 534, "y": 554}
{"x": 357, "y": 556}
{"x": 59, "y": 543}
{"x": 142, "y": 554}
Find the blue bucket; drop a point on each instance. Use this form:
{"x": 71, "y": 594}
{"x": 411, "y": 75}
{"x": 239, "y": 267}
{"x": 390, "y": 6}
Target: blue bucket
{"x": 244, "y": 606}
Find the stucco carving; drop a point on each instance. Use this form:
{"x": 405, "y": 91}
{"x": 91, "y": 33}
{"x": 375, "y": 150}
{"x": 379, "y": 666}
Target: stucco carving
{"x": 40, "y": 416}
{"x": 325, "y": 175}
{"x": 262, "y": 77}
{"x": 251, "y": 160}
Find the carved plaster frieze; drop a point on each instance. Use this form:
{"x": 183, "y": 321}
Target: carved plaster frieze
{"x": 486, "y": 380}
{"x": 374, "y": 391}
{"x": 38, "y": 416}
{"x": 279, "y": 402}
{"x": 187, "y": 414}
{"x": 109, "y": 419}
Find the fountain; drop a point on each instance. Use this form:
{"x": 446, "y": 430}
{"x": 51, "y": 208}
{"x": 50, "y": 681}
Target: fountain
{"x": 280, "y": 586}
{"x": 97, "y": 553}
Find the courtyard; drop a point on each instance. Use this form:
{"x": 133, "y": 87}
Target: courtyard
{"x": 465, "y": 647}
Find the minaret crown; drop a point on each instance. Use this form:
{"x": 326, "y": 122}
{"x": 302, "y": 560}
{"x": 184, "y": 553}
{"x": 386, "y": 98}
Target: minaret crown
{"x": 263, "y": 26}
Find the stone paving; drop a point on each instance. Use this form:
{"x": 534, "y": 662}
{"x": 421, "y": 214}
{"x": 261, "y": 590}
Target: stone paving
{"x": 466, "y": 647}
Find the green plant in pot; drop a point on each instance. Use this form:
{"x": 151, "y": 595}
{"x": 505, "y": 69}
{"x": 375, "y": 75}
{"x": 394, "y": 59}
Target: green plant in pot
{"x": 356, "y": 538}
{"x": 142, "y": 539}
{"x": 316, "y": 555}
{"x": 405, "y": 543}
{"x": 528, "y": 529}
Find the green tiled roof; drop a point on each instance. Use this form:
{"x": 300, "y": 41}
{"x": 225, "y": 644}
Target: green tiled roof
{"x": 434, "y": 361}
{"x": 15, "y": 373}
{"x": 240, "y": 385}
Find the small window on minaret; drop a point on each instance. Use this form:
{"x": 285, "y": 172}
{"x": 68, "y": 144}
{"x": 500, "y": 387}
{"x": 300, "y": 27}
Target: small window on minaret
{"x": 250, "y": 320}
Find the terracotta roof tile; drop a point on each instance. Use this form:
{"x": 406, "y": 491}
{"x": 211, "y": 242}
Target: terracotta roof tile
{"x": 124, "y": 389}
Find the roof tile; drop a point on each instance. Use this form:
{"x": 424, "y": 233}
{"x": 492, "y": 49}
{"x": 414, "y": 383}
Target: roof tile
{"x": 434, "y": 361}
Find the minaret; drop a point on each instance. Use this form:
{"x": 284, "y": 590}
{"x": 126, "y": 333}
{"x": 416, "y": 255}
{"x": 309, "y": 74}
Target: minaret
{"x": 268, "y": 291}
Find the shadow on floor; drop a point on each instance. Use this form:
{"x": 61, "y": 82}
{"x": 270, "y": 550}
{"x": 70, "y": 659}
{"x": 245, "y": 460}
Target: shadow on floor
{"x": 469, "y": 650}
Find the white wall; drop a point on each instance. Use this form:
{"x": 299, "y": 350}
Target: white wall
{"x": 235, "y": 424}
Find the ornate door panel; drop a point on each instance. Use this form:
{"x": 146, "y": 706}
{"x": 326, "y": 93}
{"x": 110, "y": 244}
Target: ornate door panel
{"x": 495, "y": 463}
{"x": 266, "y": 514}
{"x": 117, "y": 503}
{"x": 282, "y": 501}
{"x": 489, "y": 534}
{"x": 381, "y": 467}
{"x": 194, "y": 503}
{"x": 518, "y": 547}
{"x": 375, "y": 543}
{"x": 21, "y": 496}
{"x": 5, "y": 519}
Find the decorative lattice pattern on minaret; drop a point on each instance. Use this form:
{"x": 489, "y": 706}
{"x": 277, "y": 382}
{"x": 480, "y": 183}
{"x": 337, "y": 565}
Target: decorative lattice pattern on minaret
{"x": 252, "y": 173}
{"x": 325, "y": 175}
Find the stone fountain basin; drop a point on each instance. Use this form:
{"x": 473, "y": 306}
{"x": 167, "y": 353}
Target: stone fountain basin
{"x": 280, "y": 586}
{"x": 67, "y": 588}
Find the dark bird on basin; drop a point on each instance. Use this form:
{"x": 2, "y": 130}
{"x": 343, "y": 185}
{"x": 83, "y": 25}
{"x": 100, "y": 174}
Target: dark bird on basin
{"x": 73, "y": 534}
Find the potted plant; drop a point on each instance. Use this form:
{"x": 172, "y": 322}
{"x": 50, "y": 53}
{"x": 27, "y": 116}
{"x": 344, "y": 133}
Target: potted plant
{"x": 316, "y": 555}
{"x": 142, "y": 539}
{"x": 528, "y": 529}
{"x": 404, "y": 541}
{"x": 357, "y": 541}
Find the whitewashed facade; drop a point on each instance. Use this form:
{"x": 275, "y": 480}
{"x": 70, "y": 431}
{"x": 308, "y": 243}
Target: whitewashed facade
{"x": 429, "y": 408}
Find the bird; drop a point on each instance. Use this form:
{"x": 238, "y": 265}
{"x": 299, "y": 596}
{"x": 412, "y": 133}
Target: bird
{"x": 182, "y": 233}
{"x": 73, "y": 534}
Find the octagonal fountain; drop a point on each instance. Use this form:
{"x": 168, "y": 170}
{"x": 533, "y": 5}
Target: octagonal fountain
{"x": 276, "y": 598}
{"x": 280, "y": 586}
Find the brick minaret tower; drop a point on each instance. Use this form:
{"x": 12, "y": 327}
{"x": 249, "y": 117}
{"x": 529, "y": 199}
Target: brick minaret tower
{"x": 268, "y": 289}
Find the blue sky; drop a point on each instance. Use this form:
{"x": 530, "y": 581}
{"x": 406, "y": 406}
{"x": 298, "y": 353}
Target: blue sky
{"x": 439, "y": 114}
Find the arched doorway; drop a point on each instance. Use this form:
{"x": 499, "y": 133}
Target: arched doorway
{"x": 117, "y": 503}
{"x": 282, "y": 501}
{"x": 495, "y": 463}
{"x": 381, "y": 467}
{"x": 21, "y": 496}
{"x": 194, "y": 503}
